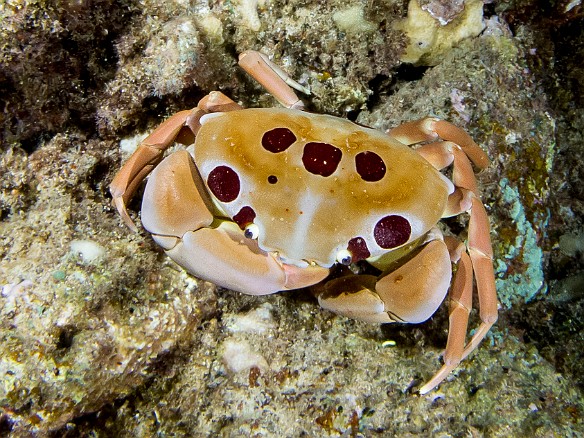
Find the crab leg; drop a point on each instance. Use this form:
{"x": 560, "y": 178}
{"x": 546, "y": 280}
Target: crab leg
{"x": 481, "y": 254}
{"x": 182, "y": 126}
{"x": 142, "y": 161}
{"x": 481, "y": 262}
{"x": 430, "y": 129}
{"x": 460, "y": 306}
{"x": 479, "y": 241}
{"x": 272, "y": 78}
{"x": 444, "y": 153}
{"x": 478, "y": 258}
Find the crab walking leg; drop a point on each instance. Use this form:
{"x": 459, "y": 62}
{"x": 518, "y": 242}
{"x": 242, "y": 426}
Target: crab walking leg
{"x": 178, "y": 213}
{"x": 430, "y": 129}
{"x": 460, "y": 306}
{"x": 271, "y": 77}
{"x": 457, "y": 150}
{"x": 217, "y": 102}
{"x": 438, "y": 154}
{"x": 479, "y": 260}
{"x": 465, "y": 198}
{"x": 481, "y": 254}
{"x": 442, "y": 154}
{"x": 183, "y": 127}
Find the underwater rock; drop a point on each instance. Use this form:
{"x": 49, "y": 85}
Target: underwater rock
{"x": 132, "y": 346}
{"x": 433, "y": 28}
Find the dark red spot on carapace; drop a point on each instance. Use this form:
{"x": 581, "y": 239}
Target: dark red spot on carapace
{"x": 278, "y": 140}
{"x": 321, "y": 158}
{"x": 224, "y": 183}
{"x": 244, "y": 217}
{"x": 392, "y": 231}
{"x": 358, "y": 249}
{"x": 370, "y": 166}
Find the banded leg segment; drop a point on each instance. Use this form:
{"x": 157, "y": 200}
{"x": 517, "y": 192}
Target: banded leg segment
{"x": 431, "y": 129}
{"x": 477, "y": 259}
{"x": 442, "y": 154}
{"x": 142, "y": 162}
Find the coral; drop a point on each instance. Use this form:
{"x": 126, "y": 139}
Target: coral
{"x": 70, "y": 339}
{"x": 239, "y": 356}
{"x": 247, "y": 11}
{"x": 159, "y": 59}
{"x": 352, "y": 21}
{"x": 434, "y": 29}
{"x": 441, "y": 10}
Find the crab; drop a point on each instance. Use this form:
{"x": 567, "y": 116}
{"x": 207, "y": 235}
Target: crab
{"x": 267, "y": 200}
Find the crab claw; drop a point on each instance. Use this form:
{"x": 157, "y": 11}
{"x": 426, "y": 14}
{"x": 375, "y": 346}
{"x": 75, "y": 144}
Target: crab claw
{"x": 143, "y": 160}
{"x": 177, "y": 212}
{"x": 411, "y": 293}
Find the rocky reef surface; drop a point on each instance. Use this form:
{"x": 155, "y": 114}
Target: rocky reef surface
{"x": 101, "y": 334}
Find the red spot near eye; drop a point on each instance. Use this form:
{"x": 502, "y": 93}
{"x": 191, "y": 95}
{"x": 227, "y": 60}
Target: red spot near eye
{"x": 224, "y": 183}
{"x": 244, "y": 217}
{"x": 370, "y": 166}
{"x": 358, "y": 249}
{"x": 321, "y": 158}
{"x": 278, "y": 140}
{"x": 392, "y": 231}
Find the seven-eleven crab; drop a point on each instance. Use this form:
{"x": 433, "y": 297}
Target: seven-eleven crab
{"x": 267, "y": 200}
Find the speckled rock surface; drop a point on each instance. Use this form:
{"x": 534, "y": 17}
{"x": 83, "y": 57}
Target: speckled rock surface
{"x": 101, "y": 334}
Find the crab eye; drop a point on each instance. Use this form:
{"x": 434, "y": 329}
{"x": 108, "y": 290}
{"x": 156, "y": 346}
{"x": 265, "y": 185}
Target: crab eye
{"x": 344, "y": 257}
{"x": 251, "y": 231}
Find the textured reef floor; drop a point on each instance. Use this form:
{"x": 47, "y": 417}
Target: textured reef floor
{"x": 102, "y": 335}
